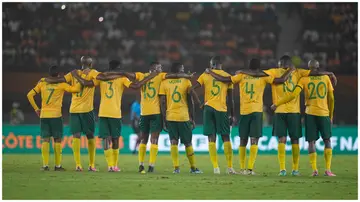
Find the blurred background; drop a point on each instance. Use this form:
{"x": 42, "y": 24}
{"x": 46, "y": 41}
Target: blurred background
{"x": 37, "y": 35}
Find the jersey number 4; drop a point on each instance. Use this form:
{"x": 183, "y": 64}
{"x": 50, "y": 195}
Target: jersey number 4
{"x": 251, "y": 91}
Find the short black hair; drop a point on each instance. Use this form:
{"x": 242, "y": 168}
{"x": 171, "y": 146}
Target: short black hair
{"x": 285, "y": 61}
{"x": 114, "y": 64}
{"x": 54, "y": 71}
{"x": 175, "y": 67}
{"x": 216, "y": 60}
{"x": 254, "y": 64}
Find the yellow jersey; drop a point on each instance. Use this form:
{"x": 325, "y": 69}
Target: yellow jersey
{"x": 150, "y": 103}
{"x": 82, "y": 101}
{"x": 251, "y": 92}
{"x": 279, "y": 91}
{"x": 111, "y": 94}
{"x": 316, "y": 89}
{"x": 52, "y": 97}
{"x": 215, "y": 91}
{"x": 176, "y": 92}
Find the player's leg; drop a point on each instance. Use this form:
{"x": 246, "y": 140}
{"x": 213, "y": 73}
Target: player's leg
{"x": 115, "y": 131}
{"x": 45, "y": 145}
{"x": 185, "y": 132}
{"x": 75, "y": 128}
{"x": 88, "y": 125}
{"x": 255, "y": 134}
{"x": 244, "y": 130}
{"x": 280, "y": 130}
{"x": 104, "y": 134}
{"x": 223, "y": 128}
{"x": 294, "y": 127}
{"x": 210, "y": 131}
{"x": 57, "y": 133}
{"x": 324, "y": 125}
{"x": 174, "y": 151}
{"x": 155, "y": 129}
{"x": 144, "y": 125}
{"x": 311, "y": 135}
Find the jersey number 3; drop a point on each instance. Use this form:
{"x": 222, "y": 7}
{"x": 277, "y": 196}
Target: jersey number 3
{"x": 111, "y": 90}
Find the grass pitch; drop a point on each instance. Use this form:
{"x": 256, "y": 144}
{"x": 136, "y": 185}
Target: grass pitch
{"x": 22, "y": 179}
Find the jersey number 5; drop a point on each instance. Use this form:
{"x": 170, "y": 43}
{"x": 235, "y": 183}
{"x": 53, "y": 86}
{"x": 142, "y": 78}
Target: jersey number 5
{"x": 110, "y": 90}
{"x": 51, "y": 93}
{"x": 312, "y": 87}
{"x": 175, "y": 95}
{"x": 215, "y": 93}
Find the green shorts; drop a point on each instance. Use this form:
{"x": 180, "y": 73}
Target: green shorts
{"x": 316, "y": 124}
{"x": 51, "y": 127}
{"x": 287, "y": 122}
{"x": 82, "y": 122}
{"x": 250, "y": 125}
{"x": 215, "y": 122}
{"x": 109, "y": 127}
{"x": 150, "y": 123}
{"x": 182, "y": 130}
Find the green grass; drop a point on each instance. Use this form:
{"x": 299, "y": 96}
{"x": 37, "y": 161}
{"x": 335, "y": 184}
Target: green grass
{"x": 22, "y": 179}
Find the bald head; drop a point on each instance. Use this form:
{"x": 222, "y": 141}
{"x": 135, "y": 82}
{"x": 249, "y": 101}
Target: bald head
{"x": 86, "y": 61}
{"x": 313, "y": 64}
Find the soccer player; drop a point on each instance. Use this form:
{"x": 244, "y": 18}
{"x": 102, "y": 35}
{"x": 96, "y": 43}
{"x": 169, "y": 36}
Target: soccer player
{"x": 51, "y": 124}
{"x": 319, "y": 102}
{"x": 135, "y": 117}
{"x": 82, "y": 118}
{"x": 287, "y": 117}
{"x": 150, "y": 118}
{"x": 176, "y": 106}
{"x": 251, "y": 108}
{"x": 110, "y": 112}
{"x": 216, "y": 119}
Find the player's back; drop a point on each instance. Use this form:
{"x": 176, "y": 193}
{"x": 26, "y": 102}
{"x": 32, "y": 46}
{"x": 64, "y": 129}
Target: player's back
{"x": 316, "y": 89}
{"x": 149, "y": 93}
{"x": 176, "y": 91}
{"x": 111, "y": 95}
{"x": 215, "y": 91}
{"x": 82, "y": 101}
{"x": 285, "y": 89}
{"x": 51, "y": 98}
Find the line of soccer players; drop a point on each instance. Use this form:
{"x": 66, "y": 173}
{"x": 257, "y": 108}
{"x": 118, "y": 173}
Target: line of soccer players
{"x": 167, "y": 102}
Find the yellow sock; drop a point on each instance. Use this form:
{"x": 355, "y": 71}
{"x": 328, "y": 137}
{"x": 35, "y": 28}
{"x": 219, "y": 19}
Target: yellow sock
{"x": 281, "y": 155}
{"x": 252, "y": 158}
{"x": 153, "y": 154}
{"x": 295, "y": 156}
{"x": 92, "y": 152}
{"x": 242, "y": 155}
{"x": 76, "y": 151}
{"x": 45, "y": 153}
{"x": 328, "y": 157}
{"x": 228, "y": 154}
{"x": 191, "y": 156}
{"x": 58, "y": 153}
{"x": 175, "y": 155}
{"x": 109, "y": 157}
{"x": 213, "y": 154}
{"x": 116, "y": 156}
{"x": 142, "y": 153}
{"x": 313, "y": 160}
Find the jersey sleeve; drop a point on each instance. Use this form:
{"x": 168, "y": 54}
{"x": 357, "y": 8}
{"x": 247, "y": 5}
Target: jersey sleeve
{"x": 270, "y": 72}
{"x": 162, "y": 75}
{"x": 93, "y": 74}
{"x": 96, "y": 82}
{"x": 303, "y": 72}
{"x": 139, "y": 76}
{"x": 231, "y": 86}
{"x": 68, "y": 77}
{"x": 71, "y": 89}
{"x": 269, "y": 79}
{"x": 237, "y": 78}
{"x": 162, "y": 88}
{"x": 37, "y": 88}
{"x": 200, "y": 80}
{"x": 331, "y": 88}
{"x": 301, "y": 82}
{"x": 126, "y": 82}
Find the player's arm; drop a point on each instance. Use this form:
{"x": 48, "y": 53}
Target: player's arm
{"x": 71, "y": 89}
{"x": 252, "y": 73}
{"x": 163, "y": 109}
{"x": 321, "y": 73}
{"x": 129, "y": 75}
{"x": 106, "y": 76}
{"x": 190, "y": 101}
{"x": 225, "y": 79}
{"x": 284, "y": 77}
{"x": 53, "y": 80}
{"x": 30, "y": 97}
{"x": 231, "y": 105}
{"x": 139, "y": 84}
{"x": 288, "y": 98}
{"x": 83, "y": 82}
{"x": 331, "y": 101}
{"x": 179, "y": 75}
